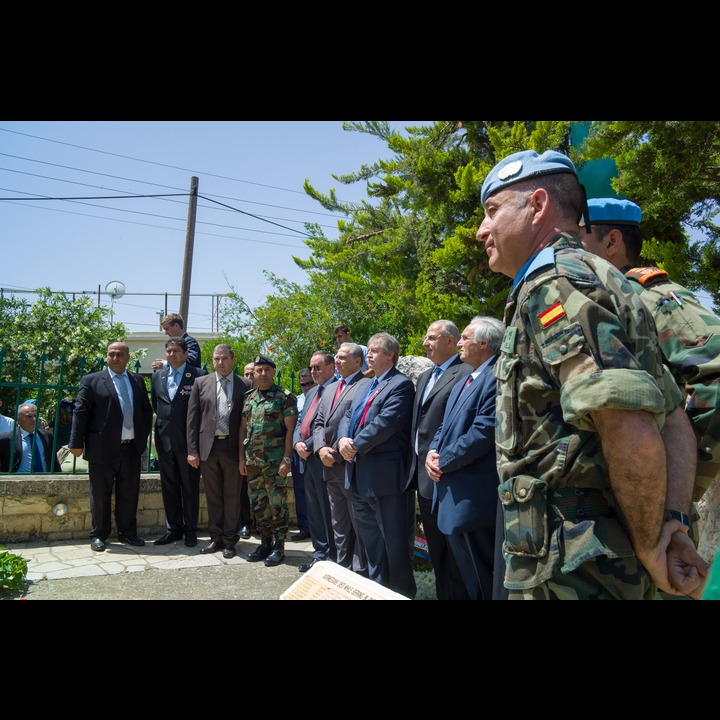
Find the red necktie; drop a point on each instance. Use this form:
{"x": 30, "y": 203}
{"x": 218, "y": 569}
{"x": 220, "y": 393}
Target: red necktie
{"x": 309, "y": 415}
{"x": 467, "y": 382}
{"x": 338, "y": 392}
{"x": 368, "y": 403}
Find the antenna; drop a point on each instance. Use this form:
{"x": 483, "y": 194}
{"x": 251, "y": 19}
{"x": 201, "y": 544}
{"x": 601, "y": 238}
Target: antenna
{"x": 115, "y": 289}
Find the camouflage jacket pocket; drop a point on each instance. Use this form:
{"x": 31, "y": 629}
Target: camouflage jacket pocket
{"x": 506, "y": 371}
{"x": 524, "y": 504}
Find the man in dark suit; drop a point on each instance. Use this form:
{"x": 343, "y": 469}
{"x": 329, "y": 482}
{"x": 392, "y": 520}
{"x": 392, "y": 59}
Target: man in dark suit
{"x": 179, "y": 482}
{"x": 349, "y": 549}
{"x": 110, "y": 429}
{"x": 462, "y": 460}
{"x": 432, "y": 390}
{"x": 374, "y": 442}
{"x": 32, "y": 451}
{"x": 174, "y": 326}
{"x": 213, "y": 426}
{"x": 322, "y": 367}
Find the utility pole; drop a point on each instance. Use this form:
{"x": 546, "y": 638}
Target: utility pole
{"x": 189, "y": 243}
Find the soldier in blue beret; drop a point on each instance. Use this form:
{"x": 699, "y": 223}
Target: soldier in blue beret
{"x": 580, "y": 372}
{"x": 689, "y": 333}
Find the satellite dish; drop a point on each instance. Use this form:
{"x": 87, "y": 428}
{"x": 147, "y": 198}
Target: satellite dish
{"x": 115, "y": 289}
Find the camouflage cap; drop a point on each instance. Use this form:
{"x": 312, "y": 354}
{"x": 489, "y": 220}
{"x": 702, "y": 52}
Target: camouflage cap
{"x": 262, "y": 360}
{"x": 611, "y": 211}
{"x": 523, "y": 165}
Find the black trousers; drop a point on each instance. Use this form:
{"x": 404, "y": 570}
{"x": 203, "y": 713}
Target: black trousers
{"x": 449, "y": 584}
{"x": 124, "y": 476}
{"x": 180, "y": 487}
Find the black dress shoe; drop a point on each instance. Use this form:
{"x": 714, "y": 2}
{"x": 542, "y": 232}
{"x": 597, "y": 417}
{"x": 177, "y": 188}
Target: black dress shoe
{"x": 190, "y": 541}
{"x": 300, "y": 536}
{"x": 229, "y": 552}
{"x": 97, "y": 544}
{"x": 167, "y": 538}
{"x": 245, "y": 532}
{"x": 307, "y": 566}
{"x": 212, "y": 547}
{"x": 135, "y": 541}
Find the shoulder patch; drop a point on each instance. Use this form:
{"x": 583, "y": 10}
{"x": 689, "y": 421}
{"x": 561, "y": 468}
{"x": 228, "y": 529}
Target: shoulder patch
{"x": 553, "y": 313}
{"x": 646, "y": 276}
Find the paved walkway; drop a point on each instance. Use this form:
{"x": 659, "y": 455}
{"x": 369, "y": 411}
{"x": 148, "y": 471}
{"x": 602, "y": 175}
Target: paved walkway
{"x": 70, "y": 570}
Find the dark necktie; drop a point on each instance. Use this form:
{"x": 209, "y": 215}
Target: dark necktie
{"x": 338, "y": 392}
{"x": 309, "y": 415}
{"x": 431, "y": 382}
{"x": 467, "y": 384}
{"x": 36, "y": 465}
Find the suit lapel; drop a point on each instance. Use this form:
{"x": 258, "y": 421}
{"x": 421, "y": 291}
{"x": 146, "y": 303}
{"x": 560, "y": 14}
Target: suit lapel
{"x": 110, "y": 384}
{"x": 448, "y": 376}
{"x": 463, "y": 397}
{"x": 163, "y": 384}
{"x": 346, "y": 390}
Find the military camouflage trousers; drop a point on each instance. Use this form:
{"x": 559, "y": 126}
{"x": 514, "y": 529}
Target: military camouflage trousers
{"x": 600, "y": 578}
{"x": 268, "y": 501}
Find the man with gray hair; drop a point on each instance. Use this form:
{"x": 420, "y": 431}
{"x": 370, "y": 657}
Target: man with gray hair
{"x": 461, "y": 460}
{"x": 348, "y": 546}
{"x": 431, "y": 393}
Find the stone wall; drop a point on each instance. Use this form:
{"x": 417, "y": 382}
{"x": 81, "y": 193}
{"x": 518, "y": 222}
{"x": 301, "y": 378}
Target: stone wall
{"x": 26, "y": 508}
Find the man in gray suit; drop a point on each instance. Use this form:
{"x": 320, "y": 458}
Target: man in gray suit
{"x": 348, "y": 363}
{"x": 213, "y": 428}
{"x": 322, "y": 367}
{"x": 432, "y": 390}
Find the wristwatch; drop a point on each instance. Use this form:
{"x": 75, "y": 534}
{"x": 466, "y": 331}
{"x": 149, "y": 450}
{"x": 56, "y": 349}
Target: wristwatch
{"x": 287, "y": 459}
{"x": 677, "y": 515}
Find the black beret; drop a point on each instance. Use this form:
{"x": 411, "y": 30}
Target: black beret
{"x": 262, "y": 360}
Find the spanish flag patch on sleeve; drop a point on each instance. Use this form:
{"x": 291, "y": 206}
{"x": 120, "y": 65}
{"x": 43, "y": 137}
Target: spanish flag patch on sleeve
{"x": 553, "y": 313}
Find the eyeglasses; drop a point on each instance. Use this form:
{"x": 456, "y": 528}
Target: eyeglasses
{"x": 316, "y": 367}
{"x": 307, "y": 384}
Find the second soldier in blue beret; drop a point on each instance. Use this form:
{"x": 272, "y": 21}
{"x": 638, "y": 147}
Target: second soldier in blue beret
{"x": 689, "y": 334}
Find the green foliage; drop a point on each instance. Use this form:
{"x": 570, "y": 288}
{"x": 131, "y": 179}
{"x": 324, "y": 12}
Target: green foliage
{"x": 408, "y": 254}
{"x": 51, "y": 341}
{"x": 13, "y": 571}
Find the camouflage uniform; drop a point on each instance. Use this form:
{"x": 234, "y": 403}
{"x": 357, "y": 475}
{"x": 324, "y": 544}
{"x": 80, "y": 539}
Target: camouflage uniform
{"x": 563, "y": 538}
{"x": 265, "y": 413}
{"x": 689, "y": 337}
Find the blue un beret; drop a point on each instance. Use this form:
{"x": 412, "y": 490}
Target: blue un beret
{"x": 611, "y": 211}
{"x": 262, "y": 360}
{"x": 524, "y": 165}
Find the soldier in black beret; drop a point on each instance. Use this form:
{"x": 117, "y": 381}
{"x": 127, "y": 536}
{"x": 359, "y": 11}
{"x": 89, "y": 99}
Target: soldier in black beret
{"x": 262, "y": 360}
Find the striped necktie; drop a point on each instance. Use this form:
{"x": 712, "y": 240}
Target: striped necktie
{"x": 223, "y": 416}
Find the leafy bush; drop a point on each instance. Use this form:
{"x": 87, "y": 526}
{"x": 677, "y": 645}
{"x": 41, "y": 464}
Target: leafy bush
{"x": 13, "y": 571}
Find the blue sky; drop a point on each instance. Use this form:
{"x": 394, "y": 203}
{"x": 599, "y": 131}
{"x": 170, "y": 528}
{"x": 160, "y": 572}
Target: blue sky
{"x": 257, "y": 167}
